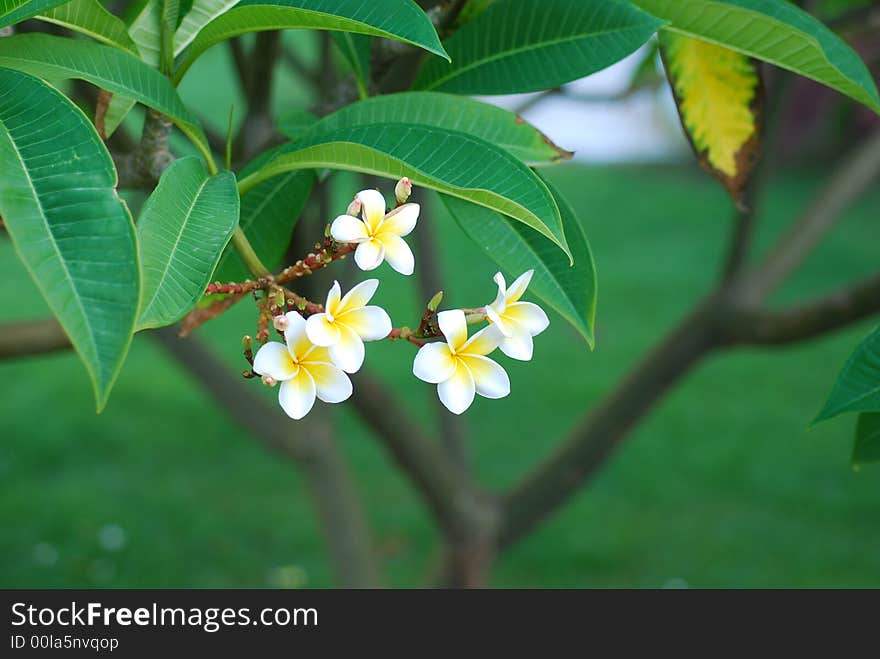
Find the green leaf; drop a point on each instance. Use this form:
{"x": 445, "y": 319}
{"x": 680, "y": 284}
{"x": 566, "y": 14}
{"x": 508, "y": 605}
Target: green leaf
{"x": 472, "y": 9}
{"x": 570, "y": 290}
{"x": 170, "y": 14}
{"x": 394, "y": 19}
{"x": 184, "y": 7}
{"x": 444, "y": 160}
{"x": 146, "y": 31}
{"x": 109, "y": 68}
{"x": 59, "y": 203}
{"x": 183, "y": 229}
{"x": 355, "y": 48}
{"x": 89, "y": 17}
{"x": 269, "y": 213}
{"x": 867, "y": 446}
{"x": 201, "y": 13}
{"x": 491, "y": 123}
{"x": 529, "y": 45}
{"x": 294, "y": 124}
{"x": 117, "y": 110}
{"x": 774, "y": 31}
{"x": 857, "y": 388}
{"x": 15, "y": 11}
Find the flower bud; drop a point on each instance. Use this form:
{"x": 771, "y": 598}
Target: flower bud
{"x": 247, "y": 343}
{"x": 435, "y": 301}
{"x": 269, "y": 381}
{"x": 403, "y": 190}
{"x": 280, "y": 323}
{"x": 354, "y": 208}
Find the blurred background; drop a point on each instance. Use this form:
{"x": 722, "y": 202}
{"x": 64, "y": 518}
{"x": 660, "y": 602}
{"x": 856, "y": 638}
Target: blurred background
{"x": 724, "y": 485}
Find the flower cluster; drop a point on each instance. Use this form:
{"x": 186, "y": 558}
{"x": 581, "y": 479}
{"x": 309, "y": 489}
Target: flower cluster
{"x": 323, "y": 345}
{"x": 319, "y": 352}
{"x": 460, "y": 367}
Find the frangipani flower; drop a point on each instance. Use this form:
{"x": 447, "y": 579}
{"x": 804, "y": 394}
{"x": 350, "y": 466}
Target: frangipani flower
{"x": 346, "y": 323}
{"x": 460, "y": 367}
{"x": 517, "y": 321}
{"x": 303, "y": 369}
{"x": 379, "y": 236}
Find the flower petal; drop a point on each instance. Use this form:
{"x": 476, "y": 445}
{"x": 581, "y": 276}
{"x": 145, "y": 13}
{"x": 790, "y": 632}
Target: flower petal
{"x": 483, "y": 342}
{"x": 316, "y": 354}
{"x": 457, "y": 393}
{"x": 348, "y": 229}
{"x": 297, "y": 395}
{"x": 297, "y": 341}
{"x": 331, "y": 384}
{"x": 519, "y": 286}
{"x": 358, "y": 296}
{"x": 369, "y": 255}
{"x": 529, "y": 316}
{"x": 370, "y": 323}
{"x": 348, "y": 352}
{"x": 501, "y": 297}
{"x": 374, "y": 208}
{"x": 490, "y": 379}
{"x": 519, "y": 346}
{"x": 434, "y": 363}
{"x": 273, "y": 359}
{"x": 402, "y": 220}
{"x": 498, "y": 320}
{"x": 333, "y": 296}
{"x": 321, "y": 330}
{"x": 454, "y": 327}
{"x": 397, "y": 253}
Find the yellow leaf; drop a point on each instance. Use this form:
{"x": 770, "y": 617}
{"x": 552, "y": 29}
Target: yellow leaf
{"x": 718, "y": 92}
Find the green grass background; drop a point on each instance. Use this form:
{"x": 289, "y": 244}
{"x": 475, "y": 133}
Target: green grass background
{"x": 722, "y": 486}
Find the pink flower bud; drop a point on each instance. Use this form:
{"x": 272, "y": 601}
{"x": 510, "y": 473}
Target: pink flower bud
{"x": 269, "y": 381}
{"x": 280, "y": 323}
{"x": 403, "y": 190}
{"x": 354, "y": 208}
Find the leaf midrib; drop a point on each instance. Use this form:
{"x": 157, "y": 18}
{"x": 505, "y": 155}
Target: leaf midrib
{"x": 848, "y": 405}
{"x": 524, "y": 49}
{"x": 777, "y": 24}
{"x": 449, "y": 189}
{"x": 174, "y": 248}
{"x": 228, "y": 17}
{"x": 61, "y": 260}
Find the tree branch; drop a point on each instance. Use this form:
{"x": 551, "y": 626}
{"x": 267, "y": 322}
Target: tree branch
{"x": 257, "y": 131}
{"x": 240, "y": 61}
{"x": 848, "y": 183}
{"x": 339, "y": 507}
{"x": 589, "y": 445}
{"x": 32, "y": 337}
{"x": 453, "y": 429}
{"x": 451, "y": 496}
{"x": 734, "y": 305}
{"x": 329, "y": 478}
{"x": 743, "y": 228}
{"x": 821, "y": 316}
{"x": 141, "y": 168}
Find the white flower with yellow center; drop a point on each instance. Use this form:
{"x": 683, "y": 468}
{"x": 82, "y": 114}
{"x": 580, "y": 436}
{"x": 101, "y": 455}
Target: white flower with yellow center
{"x": 379, "y": 237}
{"x": 347, "y": 322}
{"x": 460, "y": 367}
{"x": 304, "y": 370}
{"x": 517, "y": 321}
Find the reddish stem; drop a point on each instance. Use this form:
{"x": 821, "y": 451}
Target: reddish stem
{"x": 323, "y": 256}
